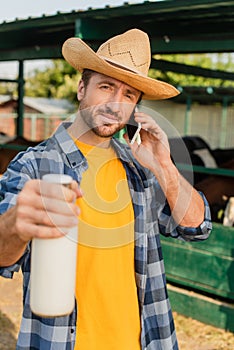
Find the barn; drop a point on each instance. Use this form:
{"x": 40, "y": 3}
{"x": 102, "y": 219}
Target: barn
{"x": 41, "y": 115}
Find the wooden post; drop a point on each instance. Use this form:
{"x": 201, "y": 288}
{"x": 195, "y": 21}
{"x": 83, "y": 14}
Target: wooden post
{"x": 20, "y": 107}
{"x": 222, "y": 142}
{"x": 187, "y": 121}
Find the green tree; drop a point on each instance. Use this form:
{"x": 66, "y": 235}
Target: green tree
{"x": 221, "y": 61}
{"x": 58, "y": 81}
{"x": 8, "y": 89}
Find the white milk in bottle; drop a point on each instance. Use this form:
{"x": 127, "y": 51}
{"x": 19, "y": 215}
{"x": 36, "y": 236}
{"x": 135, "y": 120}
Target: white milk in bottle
{"x": 53, "y": 268}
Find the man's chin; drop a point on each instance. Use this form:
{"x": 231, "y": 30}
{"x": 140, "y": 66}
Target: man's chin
{"x": 107, "y": 130}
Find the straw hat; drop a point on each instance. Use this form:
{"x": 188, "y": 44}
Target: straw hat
{"x": 125, "y": 57}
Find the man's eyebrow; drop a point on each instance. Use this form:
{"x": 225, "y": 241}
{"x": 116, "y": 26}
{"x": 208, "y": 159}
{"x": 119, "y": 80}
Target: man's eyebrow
{"x": 129, "y": 90}
{"x": 132, "y": 92}
{"x": 106, "y": 82}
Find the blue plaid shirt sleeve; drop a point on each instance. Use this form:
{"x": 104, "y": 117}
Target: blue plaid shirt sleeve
{"x": 168, "y": 227}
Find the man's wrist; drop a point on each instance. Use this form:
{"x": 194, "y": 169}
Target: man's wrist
{"x": 168, "y": 176}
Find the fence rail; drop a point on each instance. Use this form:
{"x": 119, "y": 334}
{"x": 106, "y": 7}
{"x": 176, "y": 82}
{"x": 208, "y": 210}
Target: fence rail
{"x": 36, "y": 126}
{"x": 206, "y": 170}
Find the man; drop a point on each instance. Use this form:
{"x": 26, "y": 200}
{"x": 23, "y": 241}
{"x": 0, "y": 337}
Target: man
{"x": 121, "y": 294}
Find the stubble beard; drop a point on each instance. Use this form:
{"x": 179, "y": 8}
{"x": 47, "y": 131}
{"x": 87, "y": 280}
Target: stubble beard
{"x": 88, "y": 113}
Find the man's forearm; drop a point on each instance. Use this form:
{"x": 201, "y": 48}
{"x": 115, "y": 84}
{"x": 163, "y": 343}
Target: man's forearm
{"x": 11, "y": 246}
{"x": 186, "y": 204}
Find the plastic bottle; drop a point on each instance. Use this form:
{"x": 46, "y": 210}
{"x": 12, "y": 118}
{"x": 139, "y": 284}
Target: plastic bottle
{"x": 53, "y": 268}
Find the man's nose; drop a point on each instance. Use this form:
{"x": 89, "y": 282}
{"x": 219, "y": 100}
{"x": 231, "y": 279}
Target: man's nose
{"x": 115, "y": 101}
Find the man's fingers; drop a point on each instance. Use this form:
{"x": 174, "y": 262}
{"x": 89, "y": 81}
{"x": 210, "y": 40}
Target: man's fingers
{"x": 36, "y": 201}
{"x": 46, "y": 217}
{"x": 29, "y": 229}
{"x": 75, "y": 187}
{"x": 54, "y": 190}
{"x": 57, "y": 206}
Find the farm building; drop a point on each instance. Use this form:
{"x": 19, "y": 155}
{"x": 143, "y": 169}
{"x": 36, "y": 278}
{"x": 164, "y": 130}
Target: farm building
{"x": 41, "y": 115}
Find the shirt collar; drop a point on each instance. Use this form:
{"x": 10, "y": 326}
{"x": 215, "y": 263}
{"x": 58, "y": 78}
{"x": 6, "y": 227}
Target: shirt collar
{"x": 66, "y": 143}
{"x": 123, "y": 151}
{"x": 75, "y": 157}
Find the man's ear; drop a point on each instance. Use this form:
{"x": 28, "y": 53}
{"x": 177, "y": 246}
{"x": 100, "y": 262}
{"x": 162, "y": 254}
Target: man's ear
{"x": 81, "y": 90}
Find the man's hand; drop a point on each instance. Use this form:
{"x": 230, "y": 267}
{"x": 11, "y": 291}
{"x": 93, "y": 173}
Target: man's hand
{"x": 154, "y": 151}
{"x": 42, "y": 210}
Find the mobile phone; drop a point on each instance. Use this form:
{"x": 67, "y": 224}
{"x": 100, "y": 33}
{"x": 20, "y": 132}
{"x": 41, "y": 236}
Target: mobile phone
{"x": 133, "y": 129}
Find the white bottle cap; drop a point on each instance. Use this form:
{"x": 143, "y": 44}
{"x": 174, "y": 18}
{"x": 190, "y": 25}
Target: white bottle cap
{"x": 57, "y": 178}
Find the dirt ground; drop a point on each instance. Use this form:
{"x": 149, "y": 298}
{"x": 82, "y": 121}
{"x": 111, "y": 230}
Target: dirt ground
{"x": 192, "y": 335}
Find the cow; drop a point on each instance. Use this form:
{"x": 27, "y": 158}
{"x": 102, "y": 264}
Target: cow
{"x": 216, "y": 188}
{"x": 7, "y": 154}
{"x": 228, "y": 219}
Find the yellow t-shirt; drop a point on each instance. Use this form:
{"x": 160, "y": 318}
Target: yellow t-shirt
{"x": 108, "y": 311}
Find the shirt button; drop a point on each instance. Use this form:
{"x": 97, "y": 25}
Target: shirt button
{"x": 72, "y": 330}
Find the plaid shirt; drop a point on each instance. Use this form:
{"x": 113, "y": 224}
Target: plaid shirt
{"x": 59, "y": 154}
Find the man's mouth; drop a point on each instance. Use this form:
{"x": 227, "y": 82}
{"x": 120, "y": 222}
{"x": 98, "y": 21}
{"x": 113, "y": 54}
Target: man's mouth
{"x": 108, "y": 119}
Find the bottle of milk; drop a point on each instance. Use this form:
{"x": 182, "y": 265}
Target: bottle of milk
{"x": 53, "y": 268}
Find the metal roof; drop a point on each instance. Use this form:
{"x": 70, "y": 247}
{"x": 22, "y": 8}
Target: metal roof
{"x": 206, "y": 95}
{"x": 174, "y": 26}
{"x": 42, "y": 104}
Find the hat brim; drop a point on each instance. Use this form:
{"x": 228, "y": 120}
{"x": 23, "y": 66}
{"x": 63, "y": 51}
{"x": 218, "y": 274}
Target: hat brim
{"x": 80, "y": 56}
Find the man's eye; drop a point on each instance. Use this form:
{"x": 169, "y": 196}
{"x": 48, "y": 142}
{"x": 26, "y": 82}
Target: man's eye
{"x": 130, "y": 96}
{"x": 105, "y": 87}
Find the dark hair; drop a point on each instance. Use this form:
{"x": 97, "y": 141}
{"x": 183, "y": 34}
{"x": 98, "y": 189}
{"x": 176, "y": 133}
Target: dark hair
{"x": 86, "y": 75}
